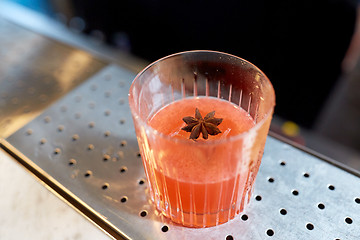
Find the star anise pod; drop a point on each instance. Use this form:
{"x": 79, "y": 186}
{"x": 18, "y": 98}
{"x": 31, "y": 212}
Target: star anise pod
{"x": 207, "y": 125}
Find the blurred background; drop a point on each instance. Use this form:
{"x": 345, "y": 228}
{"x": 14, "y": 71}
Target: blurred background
{"x": 308, "y": 49}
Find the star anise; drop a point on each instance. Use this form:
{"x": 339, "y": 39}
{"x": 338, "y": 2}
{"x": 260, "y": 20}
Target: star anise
{"x": 207, "y": 125}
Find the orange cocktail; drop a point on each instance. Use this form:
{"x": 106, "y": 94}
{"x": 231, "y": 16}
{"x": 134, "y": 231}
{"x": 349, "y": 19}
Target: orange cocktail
{"x": 190, "y": 188}
{"x": 204, "y": 180}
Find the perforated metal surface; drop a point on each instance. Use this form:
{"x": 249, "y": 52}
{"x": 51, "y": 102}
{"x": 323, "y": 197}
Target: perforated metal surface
{"x": 86, "y": 144}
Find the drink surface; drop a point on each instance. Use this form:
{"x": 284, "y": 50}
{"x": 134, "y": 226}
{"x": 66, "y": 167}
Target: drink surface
{"x": 168, "y": 120}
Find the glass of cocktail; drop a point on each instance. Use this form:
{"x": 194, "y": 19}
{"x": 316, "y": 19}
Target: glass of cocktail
{"x": 201, "y": 120}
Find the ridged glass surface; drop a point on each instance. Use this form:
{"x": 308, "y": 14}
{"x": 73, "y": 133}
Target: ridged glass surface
{"x": 201, "y": 183}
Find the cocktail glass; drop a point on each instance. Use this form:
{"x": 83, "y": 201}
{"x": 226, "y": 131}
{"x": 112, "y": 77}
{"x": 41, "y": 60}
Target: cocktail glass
{"x": 201, "y": 183}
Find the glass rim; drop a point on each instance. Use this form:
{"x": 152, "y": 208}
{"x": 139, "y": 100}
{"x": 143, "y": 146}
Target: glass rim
{"x": 186, "y": 141}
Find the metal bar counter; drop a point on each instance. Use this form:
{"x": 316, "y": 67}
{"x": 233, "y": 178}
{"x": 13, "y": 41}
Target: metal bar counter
{"x": 69, "y": 124}
{"x": 84, "y": 147}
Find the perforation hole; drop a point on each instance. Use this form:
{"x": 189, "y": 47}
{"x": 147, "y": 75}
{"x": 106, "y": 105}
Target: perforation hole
{"x": 282, "y": 163}
{"x": 141, "y": 182}
{"x": 93, "y": 87}
{"x": 357, "y": 200}
{"x": 43, "y": 98}
{"x": 105, "y": 186}
{"x": 348, "y": 220}
{"x": 42, "y": 141}
{"x": 120, "y": 154}
{"x": 77, "y": 115}
{"x": 57, "y": 151}
{"x": 31, "y": 90}
{"x": 244, "y": 217}
{"x": 283, "y": 211}
{"x": 165, "y": 228}
{"x": 60, "y": 128}
{"x": 321, "y": 206}
{"x": 143, "y": 213}
{"x": 229, "y": 237}
{"x": 107, "y": 134}
{"x": 123, "y": 199}
{"x": 47, "y": 119}
{"x": 72, "y": 162}
{"x": 75, "y": 137}
{"x": 29, "y": 132}
{"x": 271, "y": 180}
{"x": 26, "y": 109}
{"x": 123, "y": 169}
{"x": 331, "y": 187}
{"x": 107, "y": 77}
{"x": 90, "y": 147}
{"x": 107, "y": 94}
{"x": 91, "y": 124}
{"x": 92, "y": 105}
{"x": 63, "y": 108}
{"x": 310, "y": 226}
{"x": 107, "y": 113}
{"x": 88, "y": 174}
{"x": 106, "y": 157}
{"x": 306, "y": 175}
{"x": 270, "y": 232}
{"x": 122, "y": 121}
{"x": 295, "y": 192}
{"x": 258, "y": 198}
{"x": 123, "y": 143}
{"x": 78, "y": 99}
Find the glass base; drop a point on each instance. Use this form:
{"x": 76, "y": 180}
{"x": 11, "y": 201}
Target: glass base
{"x": 203, "y": 220}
